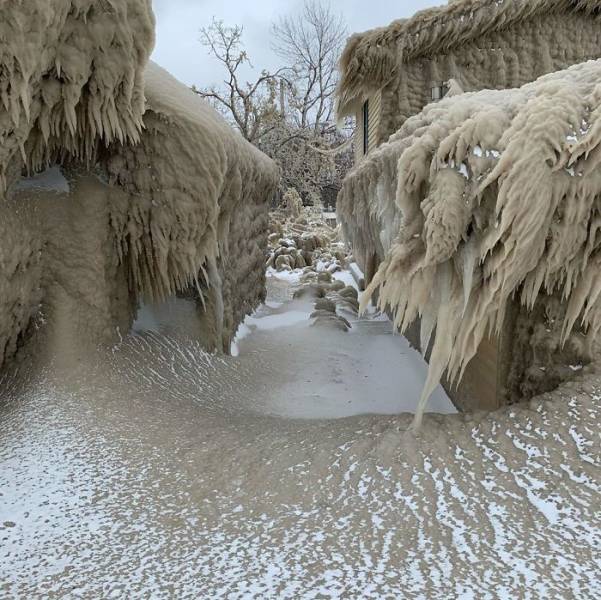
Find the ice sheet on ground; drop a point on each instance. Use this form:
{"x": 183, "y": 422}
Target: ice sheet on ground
{"x": 149, "y": 472}
{"x": 341, "y": 374}
{"x": 268, "y": 319}
{"x": 333, "y": 374}
{"x": 152, "y": 470}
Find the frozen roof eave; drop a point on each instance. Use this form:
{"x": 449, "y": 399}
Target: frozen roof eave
{"x": 371, "y": 59}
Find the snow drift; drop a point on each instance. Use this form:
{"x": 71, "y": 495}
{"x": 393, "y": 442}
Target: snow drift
{"x": 160, "y": 196}
{"x": 479, "y": 199}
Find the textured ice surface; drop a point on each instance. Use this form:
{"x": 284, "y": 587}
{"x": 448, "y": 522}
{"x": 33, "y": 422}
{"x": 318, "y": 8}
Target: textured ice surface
{"x": 188, "y": 199}
{"x": 153, "y": 471}
{"x": 472, "y": 44}
{"x": 459, "y": 236}
{"x": 184, "y": 208}
{"x": 70, "y": 76}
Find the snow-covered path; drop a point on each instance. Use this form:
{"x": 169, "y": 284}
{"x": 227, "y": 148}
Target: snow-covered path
{"x": 159, "y": 471}
{"x": 327, "y": 374}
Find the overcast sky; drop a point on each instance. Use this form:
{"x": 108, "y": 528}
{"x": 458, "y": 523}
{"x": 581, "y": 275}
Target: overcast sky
{"x": 179, "y": 21}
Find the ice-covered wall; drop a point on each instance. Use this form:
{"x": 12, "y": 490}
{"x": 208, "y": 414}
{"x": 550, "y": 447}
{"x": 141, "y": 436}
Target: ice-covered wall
{"x": 150, "y": 192}
{"x": 20, "y": 276}
{"x": 482, "y": 43}
{"x": 197, "y": 207}
{"x": 482, "y": 198}
{"x": 76, "y": 286}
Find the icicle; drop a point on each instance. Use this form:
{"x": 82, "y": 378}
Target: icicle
{"x": 200, "y": 294}
{"x": 523, "y": 228}
{"x": 470, "y": 253}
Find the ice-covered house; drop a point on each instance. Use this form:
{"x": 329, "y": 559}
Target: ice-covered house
{"x": 474, "y": 214}
{"x": 117, "y": 183}
{"x": 391, "y": 73}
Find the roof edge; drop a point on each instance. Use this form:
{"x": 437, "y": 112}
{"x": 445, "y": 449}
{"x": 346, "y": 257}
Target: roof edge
{"x": 372, "y": 58}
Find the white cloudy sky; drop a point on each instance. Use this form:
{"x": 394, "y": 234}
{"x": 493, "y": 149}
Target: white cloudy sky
{"x": 178, "y": 23}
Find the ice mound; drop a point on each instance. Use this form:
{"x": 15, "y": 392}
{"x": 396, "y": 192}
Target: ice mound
{"x": 149, "y": 192}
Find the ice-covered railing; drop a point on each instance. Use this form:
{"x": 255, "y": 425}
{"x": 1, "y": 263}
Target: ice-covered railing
{"x": 71, "y": 75}
{"x": 480, "y": 198}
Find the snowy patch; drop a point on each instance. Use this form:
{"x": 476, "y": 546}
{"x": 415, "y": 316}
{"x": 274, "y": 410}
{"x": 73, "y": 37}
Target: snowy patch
{"x": 347, "y": 278}
{"x": 243, "y": 331}
{"x": 278, "y": 320}
{"x": 290, "y": 276}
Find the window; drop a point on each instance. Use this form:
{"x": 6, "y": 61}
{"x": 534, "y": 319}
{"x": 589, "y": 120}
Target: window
{"x": 366, "y": 127}
{"x": 439, "y": 91}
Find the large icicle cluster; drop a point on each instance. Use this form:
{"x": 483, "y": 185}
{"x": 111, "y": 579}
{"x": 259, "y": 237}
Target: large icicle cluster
{"x": 480, "y": 198}
{"x": 164, "y": 196}
{"x": 70, "y": 76}
{"x": 198, "y": 198}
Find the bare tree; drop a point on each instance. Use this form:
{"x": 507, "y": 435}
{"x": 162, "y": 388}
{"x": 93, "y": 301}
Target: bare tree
{"x": 250, "y": 104}
{"x": 311, "y": 42}
{"x": 288, "y": 114}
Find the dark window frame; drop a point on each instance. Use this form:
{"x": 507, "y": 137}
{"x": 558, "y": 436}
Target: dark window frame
{"x": 365, "y": 127}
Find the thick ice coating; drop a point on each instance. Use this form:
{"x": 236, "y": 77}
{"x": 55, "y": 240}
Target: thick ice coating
{"x": 493, "y": 44}
{"x": 147, "y": 193}
{"x": 480, "y": 198}
{"x": 198, "y": 197}
{"x": 70, "y": 76}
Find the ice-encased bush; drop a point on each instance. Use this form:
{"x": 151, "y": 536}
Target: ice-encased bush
{"x": 481, "y": 198}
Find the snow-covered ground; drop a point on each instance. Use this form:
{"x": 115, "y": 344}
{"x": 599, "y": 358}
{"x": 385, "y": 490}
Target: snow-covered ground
{"x": 330, "y": 374}
{"x": 156, "y": 470}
